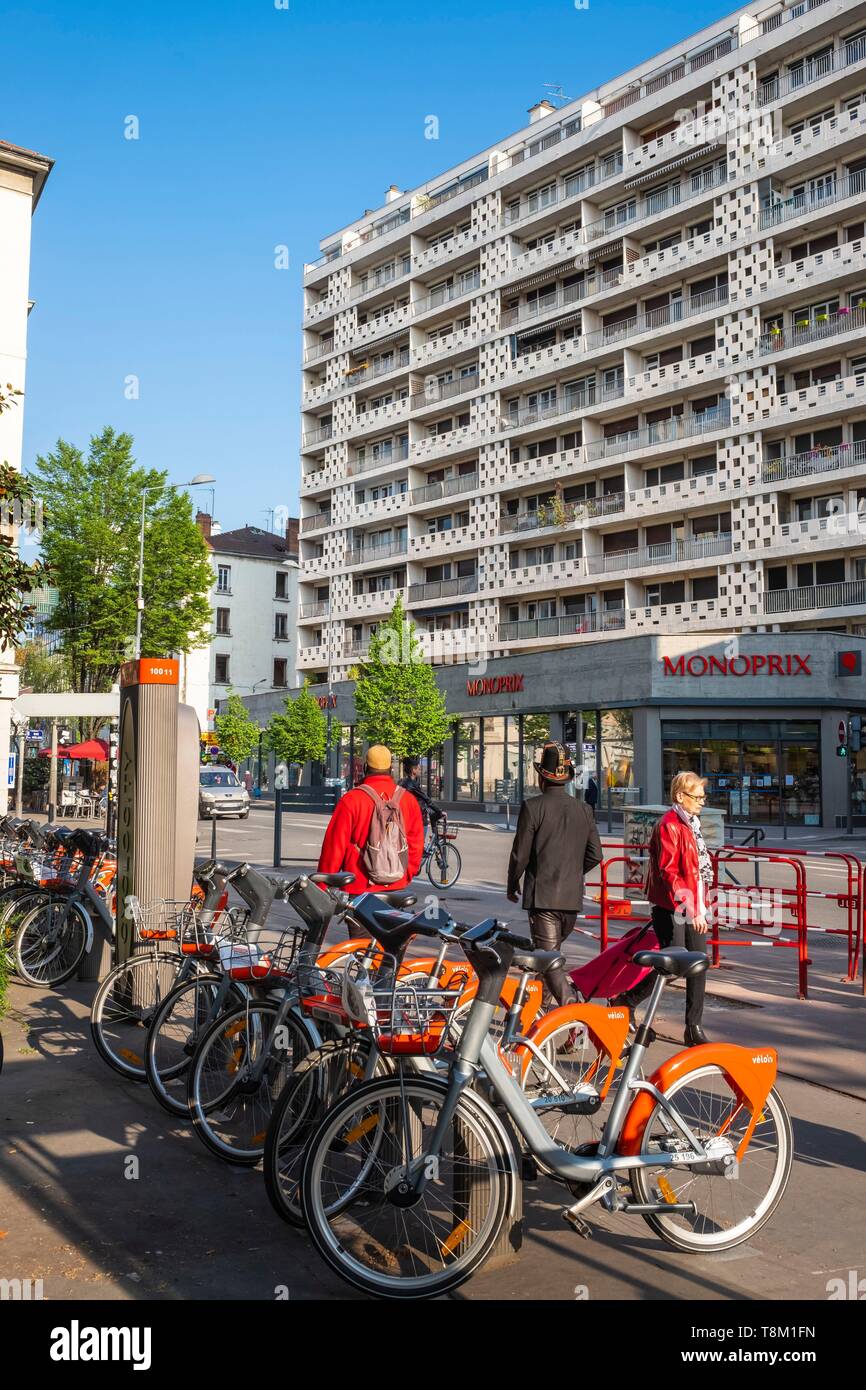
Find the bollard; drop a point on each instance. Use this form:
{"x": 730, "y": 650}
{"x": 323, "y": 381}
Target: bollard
{"x": 278, "y": 827}
{"x": 213, "y": 852}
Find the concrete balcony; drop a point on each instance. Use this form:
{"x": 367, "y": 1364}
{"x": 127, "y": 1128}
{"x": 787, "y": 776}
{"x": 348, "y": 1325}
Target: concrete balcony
{"x": 374, "y": 554}
{"x": 439, "y": 589}
{"x": 315, "y": 313}
{"x": 442, "y": 542}
{"x": 652, "y": 556}
{"x": 839, "y": 531}
{"x": 817, "y": 598}
{"x": 317, "y": 522}
{"x": 544, "y": 468}
{"x": 694, "y": 189}
{"x": 307, "y": 612}
{"x": 664, "y": 432}
{"x": 312, "y": 656}
{"x": 561, "y": 631}
{"x": 455, "y": 441}
{"x": 452, "y": 343}
{"x": 377, "y": 604}
{"x": 538, "y": 578}
{"x": 315, "y": 440}
{"x": 691, "y": 137}
{"x": 810, "y": 205}
{"x": 818, "y": 330}
{"x": 449, "y": 487}
{"x": 828, "y": 399}
{"x": 709, "y": 614}
{"x": 380, "y": 509}
{"x": 826, "y": 142}
{"x": 449, "y": 294}
{"x": 375, "y": 459}
{"x": 377, "y": 282}
{"x": 561, "y": 518}
{"x": 815, "y": 463}
{"x": 674, "y": 259}
{"x": 378, "y": 327}
{"x": 381, "y": 417}
{"x": 563, "y": 248}
{"x": 813, "y": 72}
{"x": 447, "y": 251}
{"x": 322, "y": 479}
{"x": 437, "y": 394}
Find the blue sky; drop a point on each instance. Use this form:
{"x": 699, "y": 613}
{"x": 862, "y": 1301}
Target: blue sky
{"x": 259, "y": 127}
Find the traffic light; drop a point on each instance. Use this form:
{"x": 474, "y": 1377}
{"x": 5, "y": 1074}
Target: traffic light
{"x": 855, "y": 741}
{"x": 842, "y": 750}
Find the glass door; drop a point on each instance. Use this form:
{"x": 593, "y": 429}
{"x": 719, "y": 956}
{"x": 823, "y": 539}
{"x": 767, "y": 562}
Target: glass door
{"x": 760, "y": 785}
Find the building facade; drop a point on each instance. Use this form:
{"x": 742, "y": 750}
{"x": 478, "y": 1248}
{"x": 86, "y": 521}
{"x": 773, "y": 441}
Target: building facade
{"x": 608, "y": 379}
{"x": 22, "y": 177}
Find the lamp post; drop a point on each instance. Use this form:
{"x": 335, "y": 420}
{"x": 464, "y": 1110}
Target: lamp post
{"x": 200, "y": 480}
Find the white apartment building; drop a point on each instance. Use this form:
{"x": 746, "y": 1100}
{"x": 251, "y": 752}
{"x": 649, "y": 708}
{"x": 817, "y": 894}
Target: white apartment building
{"x": 22, "y": 177}
{"x": 608, "y": 379}
{"x": 254, "y": 602}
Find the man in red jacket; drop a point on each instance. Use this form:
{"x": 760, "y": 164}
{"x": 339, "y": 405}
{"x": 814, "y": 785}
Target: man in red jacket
{"x": 349, "y": 827}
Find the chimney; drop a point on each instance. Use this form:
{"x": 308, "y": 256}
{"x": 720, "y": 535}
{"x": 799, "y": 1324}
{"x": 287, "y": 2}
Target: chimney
{"x": 292, "y": 525}
{"x": 540, "y": 110}
{"x": 392, "y": 193}
{"x": 204, "y": 522}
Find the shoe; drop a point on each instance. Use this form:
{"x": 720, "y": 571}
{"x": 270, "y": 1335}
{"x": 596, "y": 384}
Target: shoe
{"x": 694, "y": 1037}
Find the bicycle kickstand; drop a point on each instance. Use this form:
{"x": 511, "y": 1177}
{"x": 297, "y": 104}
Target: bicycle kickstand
{"x": 573, "y": 1215}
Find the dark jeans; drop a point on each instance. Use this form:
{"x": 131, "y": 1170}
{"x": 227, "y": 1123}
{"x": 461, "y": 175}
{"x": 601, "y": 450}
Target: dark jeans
{"x": 549, "y": 929}
{"x": 673, "y": 932}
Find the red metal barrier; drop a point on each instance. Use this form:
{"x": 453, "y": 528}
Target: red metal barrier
{"x": 796, "y": 906}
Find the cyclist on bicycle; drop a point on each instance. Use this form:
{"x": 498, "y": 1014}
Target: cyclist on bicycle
{"x": 411, "y": 782}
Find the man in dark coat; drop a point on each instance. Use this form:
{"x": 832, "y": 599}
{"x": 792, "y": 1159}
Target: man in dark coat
{"x": 556, "y": 843}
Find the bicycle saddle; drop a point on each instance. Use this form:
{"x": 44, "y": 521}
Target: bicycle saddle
{"x": 539, "y": 962}
{"x": 340, "y": 880}
{"x": 676, "y": 960}
{"x": 400, "y": 901}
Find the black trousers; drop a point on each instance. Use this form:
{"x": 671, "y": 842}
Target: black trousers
{"x": 549, "y": 929}
{"x": 671, "y": 931}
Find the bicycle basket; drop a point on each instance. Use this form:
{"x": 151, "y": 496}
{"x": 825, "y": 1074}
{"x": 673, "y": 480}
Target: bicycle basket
{"x": 201, "y": 929}
{"x": 258, "y": 962}
{"x": 413, "y": 1021}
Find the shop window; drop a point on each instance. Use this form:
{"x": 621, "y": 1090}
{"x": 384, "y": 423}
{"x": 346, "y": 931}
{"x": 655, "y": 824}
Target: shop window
{"x": 501, "y": 761}
{"x": 536, "y": 732}
{"x": 467, "y": 760}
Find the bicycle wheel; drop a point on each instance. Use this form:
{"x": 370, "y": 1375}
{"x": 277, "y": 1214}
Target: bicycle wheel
{"x": 15, "y": 904}
{"x": 230, "y": 1107}
{"x": 320, "y": 1080}
{"x": 727, "y": 1211}
{"x": 351, "y": 1189}
{"x": 178, "y": 1024}
{"x": 576, "y": 1058}
{"x": 444, "y": 865}
{"x": 50, "y": 942}
{"x": 124, "y": 1005}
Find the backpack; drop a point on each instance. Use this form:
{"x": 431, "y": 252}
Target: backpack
{"x": 385, "y": 856}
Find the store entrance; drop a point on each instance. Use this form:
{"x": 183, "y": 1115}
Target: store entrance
{"x": 764, "y": 772}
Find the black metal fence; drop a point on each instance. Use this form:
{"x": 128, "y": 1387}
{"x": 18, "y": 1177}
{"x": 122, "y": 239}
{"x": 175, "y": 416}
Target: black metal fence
{"x": 321, "y": 798}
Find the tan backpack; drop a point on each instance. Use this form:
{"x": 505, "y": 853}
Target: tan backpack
{"x": 385, "y": 856}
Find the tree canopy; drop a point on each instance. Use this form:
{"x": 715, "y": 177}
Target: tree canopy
{"x": 237, "y": 734}
{"x": 301, "y": 734}
{"x": 91, "y": 545}
{"x": 397, "y": 700}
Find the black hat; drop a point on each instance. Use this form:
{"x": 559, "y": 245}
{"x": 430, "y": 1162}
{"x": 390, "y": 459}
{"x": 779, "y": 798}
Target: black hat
{"x": 555, "y": 765}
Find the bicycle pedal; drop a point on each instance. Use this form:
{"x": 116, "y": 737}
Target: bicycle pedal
{"x": 578, "y": 1224}
{"x": 528, "y": 1168}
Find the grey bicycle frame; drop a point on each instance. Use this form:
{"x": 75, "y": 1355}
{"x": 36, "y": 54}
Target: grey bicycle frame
{"x": 477, "y": 1049}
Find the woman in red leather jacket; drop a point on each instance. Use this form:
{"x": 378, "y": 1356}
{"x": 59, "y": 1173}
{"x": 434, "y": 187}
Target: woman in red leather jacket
{"x": 678, "y": 882}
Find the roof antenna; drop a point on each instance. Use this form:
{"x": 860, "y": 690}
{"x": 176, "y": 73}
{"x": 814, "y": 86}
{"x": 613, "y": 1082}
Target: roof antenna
{"x": 556, "y": 93}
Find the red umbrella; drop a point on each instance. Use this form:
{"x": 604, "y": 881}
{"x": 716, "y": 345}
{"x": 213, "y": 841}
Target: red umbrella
{"x": 61, "y": 752}
{"x": 94, "y": 749}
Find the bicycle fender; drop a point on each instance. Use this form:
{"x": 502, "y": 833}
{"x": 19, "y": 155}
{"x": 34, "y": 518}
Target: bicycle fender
{"x": 608, "y": 1028}
{"x": 306, "y": 1024}
{"x": 88, "y": 928}
{"x": 750, "y": 1073}
{"x": 531, "y": 1004}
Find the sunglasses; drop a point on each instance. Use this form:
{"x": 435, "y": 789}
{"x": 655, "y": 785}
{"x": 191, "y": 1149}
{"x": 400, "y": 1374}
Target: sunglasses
{"x": 692, "y": 796}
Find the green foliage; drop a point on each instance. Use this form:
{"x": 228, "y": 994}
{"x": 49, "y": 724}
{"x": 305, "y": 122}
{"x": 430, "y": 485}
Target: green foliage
{"x": 36, "y": 773}
{"x": 45, "y": 672}
{"x": 4, "y": 980}
{"x": 397, "y": 700}
{"x": 237, "y": 734}
{"x": 301, "y": 734}
{"x": 17, "y": 578}
{"x": 91, "y": 543}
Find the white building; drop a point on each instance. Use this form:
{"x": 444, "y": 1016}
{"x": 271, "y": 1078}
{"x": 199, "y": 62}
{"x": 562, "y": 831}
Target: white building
{"x": 607, "y": 378}
{"x": 254, "y": 602}
{"x": 22, "y": 178}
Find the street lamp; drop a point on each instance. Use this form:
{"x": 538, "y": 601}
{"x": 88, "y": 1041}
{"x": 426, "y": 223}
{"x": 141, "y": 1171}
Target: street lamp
{"x": 199, "y": 480}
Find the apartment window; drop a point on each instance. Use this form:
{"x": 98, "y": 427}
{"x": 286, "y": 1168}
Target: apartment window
{"x": 221, "y": 672}
{"x": 222, "y": 621}
{"x": 718, "y": 524}
{"x": 280, "y": 670}
{"x": 821, "y": 572}
{"x": 281, "y": 584}
{"x": 667, "y": 473}
{"x": 224, "y": 579}
{"x": 539, "y": 555}
{"x": 281, "y": 626}
{"x": 703, "y": 466}
{"x": 705, "y": 587}
{"x": 818, "y": 508}
{"x": 541, "y": 608}
{"x": 656, "y": 593}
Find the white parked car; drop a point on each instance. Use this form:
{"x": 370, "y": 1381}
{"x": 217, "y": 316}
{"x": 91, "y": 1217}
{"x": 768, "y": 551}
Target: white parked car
{"x": 221, "y": 794}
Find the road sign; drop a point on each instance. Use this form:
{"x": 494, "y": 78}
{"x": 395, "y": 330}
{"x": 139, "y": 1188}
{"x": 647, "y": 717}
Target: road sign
{"x": 842, "y": 732}
{"x": 10, "y": 777}
{"x": 34, "y": 735}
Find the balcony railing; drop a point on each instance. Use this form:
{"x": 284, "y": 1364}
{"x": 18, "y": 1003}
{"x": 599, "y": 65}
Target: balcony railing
{"x": 814, "y": 461}
{"x": 661, "y": 432}
{"x": 320, "y": 350}
{"x": 372, "y": 554}
{"x": 447, "y": 293}
{"x": 678, "y": 311}
{"x": 655, "y": 203}
{"x": 446, "y": 390}
{"x": 389, "y": 275}
{"x": 383, "y": 458}
{"x": 844, "y": 594}
{"x": 428, "y": 201}
{"x": 314, "y": 610}
{"x": 572, "y": 187}
{"x": 443, "y": 588}
{"x": 449, "y": 487}
{"x": 319, "y": 436}
{"x": 671, "y": 552}
{"x": 568, "y": 625}
{"x": 813, "y": 70}
{"x": 356, "y": 649}
{"x": 356, "y": 375}
{"x": 548, "y": 518}
{"x": 315, "y": 522}
{"x": 565, "y": 404}
{"x": 813, "y": 200}
{"x": 813, "y": 331}
{"x": 547, "y": 303}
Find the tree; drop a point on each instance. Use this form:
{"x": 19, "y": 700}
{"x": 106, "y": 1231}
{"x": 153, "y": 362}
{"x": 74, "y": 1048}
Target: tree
{"x": 91, "y": 544}
{"x": 237, "y": 734}
{"x": 301, "y": 734}
{"x": 397, "y": 700}
{"x": 43, "y": 671}
{"x": 17, "y": 578}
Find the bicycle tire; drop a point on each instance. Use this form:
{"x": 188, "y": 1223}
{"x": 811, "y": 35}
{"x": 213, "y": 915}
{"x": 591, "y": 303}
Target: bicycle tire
{"x": 220, "y": 1056}
{"x": 695, "y": 1243}
{"x": 125, "y": 1059}
{"x": 57, "y": 966}
{"x": 335, "y": 1136}
{"x": 321, "y": 1079}
{"x": 160, "y": 1075}
{"x": 448, "y": 867}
